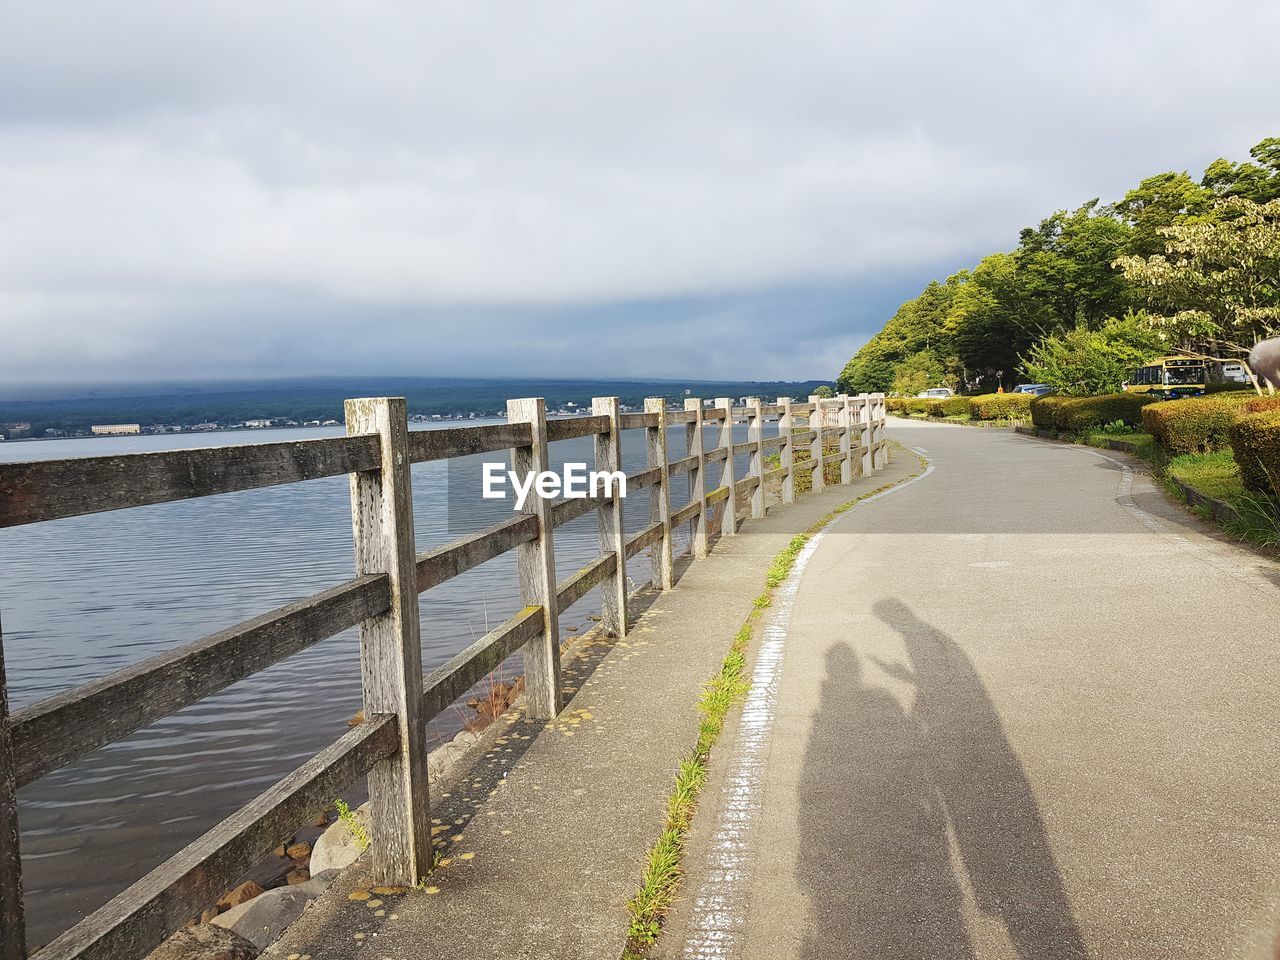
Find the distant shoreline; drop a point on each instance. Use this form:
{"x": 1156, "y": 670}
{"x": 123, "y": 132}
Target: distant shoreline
{"x": 300, "y": 404}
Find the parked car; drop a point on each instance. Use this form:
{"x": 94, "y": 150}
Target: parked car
{"x": 937, "y": 393}
{"x": 1035, "y": 389}
{"x": 1235, "y": 373}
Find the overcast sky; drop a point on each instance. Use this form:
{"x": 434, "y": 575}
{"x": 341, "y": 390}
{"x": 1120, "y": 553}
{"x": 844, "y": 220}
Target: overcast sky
{"x": 719, "y": 189}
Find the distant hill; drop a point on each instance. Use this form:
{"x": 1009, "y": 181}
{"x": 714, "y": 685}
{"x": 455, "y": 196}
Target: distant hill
{"x": 230, "y": 402}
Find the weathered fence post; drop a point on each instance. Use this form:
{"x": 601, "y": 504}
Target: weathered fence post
{"x": 786, "y": 452}
{"x": 881, "y": 457}
{"x": 13, "y": 945}
{"x": 755, "y": 466}
{"x": 613, "y": 538}
{"x": 864, "y": 424}
{"x": 536, "y": 565}
{"x": 697, "y": 477}
{"x": 659, "y": 494}
{"x": 816, "y": 420}
{"x": 846, "y": 439}
{"x": 729, "y": 519}
{"x": 390, "y": 644}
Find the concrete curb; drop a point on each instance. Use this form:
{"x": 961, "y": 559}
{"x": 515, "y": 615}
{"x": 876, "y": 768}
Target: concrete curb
{"x": 1220, "y": 511}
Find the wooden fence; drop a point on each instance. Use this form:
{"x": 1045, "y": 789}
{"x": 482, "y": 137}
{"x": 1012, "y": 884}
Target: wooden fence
{"x": 382, "y": 598}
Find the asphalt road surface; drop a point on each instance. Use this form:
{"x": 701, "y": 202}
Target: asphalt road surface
{"x": 1022, "y": 707}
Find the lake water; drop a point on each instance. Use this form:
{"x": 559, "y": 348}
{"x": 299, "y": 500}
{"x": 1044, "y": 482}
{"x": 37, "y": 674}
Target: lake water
{"x": 85, "y": 596}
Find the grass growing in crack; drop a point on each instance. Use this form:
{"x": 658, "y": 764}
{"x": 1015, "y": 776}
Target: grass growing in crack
{"x": 730, "y": 684}
{"x": 358, "y": 832}
{"x": 662, "y": 869}
{"x": 784, "y": 561}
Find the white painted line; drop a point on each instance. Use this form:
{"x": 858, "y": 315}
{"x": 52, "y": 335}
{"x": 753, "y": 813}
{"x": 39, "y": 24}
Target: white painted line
{"x": 719, "y": 911}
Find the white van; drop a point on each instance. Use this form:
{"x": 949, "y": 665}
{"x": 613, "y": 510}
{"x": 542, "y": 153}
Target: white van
{"x": 937, "y": 393}
{"x": 1234, "y": 372}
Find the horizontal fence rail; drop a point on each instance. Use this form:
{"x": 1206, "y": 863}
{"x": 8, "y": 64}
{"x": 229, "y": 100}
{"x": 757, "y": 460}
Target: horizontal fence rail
{"x": 51, "y": 489}
{"x": 388, "y": 746}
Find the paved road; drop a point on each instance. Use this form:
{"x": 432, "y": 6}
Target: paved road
{"x": 1023, "y": 707}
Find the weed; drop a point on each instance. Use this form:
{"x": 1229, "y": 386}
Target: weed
{"x": 358, "y": 832}
{"x": 1257, "y": 519}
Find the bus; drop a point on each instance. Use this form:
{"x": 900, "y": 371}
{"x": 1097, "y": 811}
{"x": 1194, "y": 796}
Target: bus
{"x": 1170, "y": 377}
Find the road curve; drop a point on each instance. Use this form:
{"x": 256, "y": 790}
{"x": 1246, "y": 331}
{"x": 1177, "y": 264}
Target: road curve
{"x": 1024, "y": 707}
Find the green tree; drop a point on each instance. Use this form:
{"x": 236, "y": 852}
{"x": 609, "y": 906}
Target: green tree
{"x": 1083, "y": 362}
{"x": 918, "y": 325}
{"x": 1217, "y": 287}
{"x": 918, "y": 372}
{"x": 1065, "y": 265}
{"x": 825, "y": 392}
{"x": 1258, "y": 181}
{"x": 992, "y": 321}
{"x": 1158, "y": 203}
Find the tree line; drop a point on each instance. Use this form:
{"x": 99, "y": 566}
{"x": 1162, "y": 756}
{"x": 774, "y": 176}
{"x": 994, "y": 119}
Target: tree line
{"x": 1178, "y": 264}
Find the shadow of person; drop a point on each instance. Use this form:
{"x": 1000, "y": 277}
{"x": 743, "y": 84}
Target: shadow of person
{"x": 993, "y": 814}
{"x": 874, "y": 862}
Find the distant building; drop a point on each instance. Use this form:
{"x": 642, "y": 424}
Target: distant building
{"x": 114, "y": 429}
{"x": 257, "y": 424}
{"x": 203, "y": 427}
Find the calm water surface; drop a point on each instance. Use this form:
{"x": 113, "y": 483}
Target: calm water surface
{"x": 84, "y": 596}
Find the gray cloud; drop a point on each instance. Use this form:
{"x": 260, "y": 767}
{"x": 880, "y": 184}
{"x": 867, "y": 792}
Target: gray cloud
{"x": 724, "y": 189}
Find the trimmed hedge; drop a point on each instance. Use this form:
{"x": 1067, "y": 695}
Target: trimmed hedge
{"x": 918, "y": 405}
{"x": 1195, "y": 424}
{"x": 1074, "y": 414}
{"x": 1255, "y": 443}
{"x": 1000, "y": 406}
{"x": 952, "y": 407}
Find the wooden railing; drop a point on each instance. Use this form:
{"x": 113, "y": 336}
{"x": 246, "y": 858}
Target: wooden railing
{"x": 382, "y": 598}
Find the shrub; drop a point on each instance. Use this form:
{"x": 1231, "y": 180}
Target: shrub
{"x": 1195, "y": 424}
{"x": 1000, "y": 406}
{"x": 1260, "y": 404}
{"x": 918, "y": 405}
{"x": 955, "y": 407}
{"x": 1255, "y": 443}
{"x": 1074, "y": 414}
{"x": 1083, "y": 363}
{"x": 896, "y": 404}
